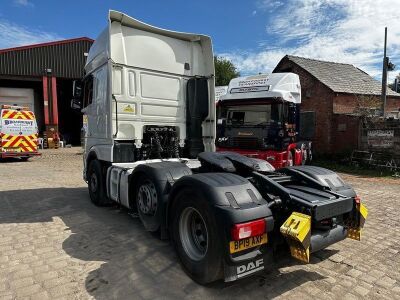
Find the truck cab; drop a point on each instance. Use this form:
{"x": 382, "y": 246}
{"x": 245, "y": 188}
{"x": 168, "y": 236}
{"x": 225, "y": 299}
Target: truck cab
{"x": 258, "y": 117}
{"x": 148, "y": 93}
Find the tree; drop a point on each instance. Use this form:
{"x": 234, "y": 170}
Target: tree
{"x": 366, "y": 107}
{"x": 225, "y": 70}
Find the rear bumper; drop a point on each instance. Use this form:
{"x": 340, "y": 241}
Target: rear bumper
{"x": 259, "y": 259}
{"x": 322, "y": 239}
{"x": 19, "y": 154}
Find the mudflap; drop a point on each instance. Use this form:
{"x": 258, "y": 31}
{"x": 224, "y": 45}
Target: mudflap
{"x": 297, "y": 232}
{"x": 356, "y": 221}
{"x": 247, "y": 267}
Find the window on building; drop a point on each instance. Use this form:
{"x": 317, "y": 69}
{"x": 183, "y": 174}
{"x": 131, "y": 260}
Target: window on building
{"x": 307, "y": 125}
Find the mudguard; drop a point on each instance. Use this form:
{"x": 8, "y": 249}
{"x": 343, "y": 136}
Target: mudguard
{"x": 163, "y": 175}
{"x": 320, "y": 176}
{"x": 232, "y": 199}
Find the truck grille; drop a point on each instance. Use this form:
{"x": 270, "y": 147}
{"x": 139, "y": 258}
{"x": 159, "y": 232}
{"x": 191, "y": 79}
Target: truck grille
{"x": 246, "y": 142}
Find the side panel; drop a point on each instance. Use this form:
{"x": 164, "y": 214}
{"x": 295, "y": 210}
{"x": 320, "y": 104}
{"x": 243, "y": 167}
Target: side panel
{"x": 150, "y": 74}
{"x": 146, "y": 98}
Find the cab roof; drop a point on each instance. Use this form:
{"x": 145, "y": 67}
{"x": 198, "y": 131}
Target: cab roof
{"x": 282, "y": 86}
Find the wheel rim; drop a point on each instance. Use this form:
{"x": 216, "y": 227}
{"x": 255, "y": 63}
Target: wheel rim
{"x": 147, "y": 198}
{"x": 193, "y": 233}
{"x": 93, "y": 182}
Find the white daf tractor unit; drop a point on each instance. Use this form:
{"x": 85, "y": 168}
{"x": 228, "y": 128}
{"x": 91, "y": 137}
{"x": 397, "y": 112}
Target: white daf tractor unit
{"x": 149, "y": 100}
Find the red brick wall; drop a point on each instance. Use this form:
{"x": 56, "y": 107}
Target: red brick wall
{"x": 345, "y": 133}
{"x": 346, "y": 103}
{"x": 392, "y": 104}
{"x": 315, "y": 97}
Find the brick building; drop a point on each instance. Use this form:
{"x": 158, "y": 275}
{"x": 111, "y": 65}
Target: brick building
{"x": 331, "y": 93}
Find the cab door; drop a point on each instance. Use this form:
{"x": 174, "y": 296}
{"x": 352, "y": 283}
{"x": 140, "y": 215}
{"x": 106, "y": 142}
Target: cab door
{"x": 95, "y": 111}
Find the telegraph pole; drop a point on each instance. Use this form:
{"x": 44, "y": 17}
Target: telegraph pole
{"x": 384, "y": 77}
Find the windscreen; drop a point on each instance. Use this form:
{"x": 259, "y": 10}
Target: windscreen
{"x": 254, "y": 115}
{"x": 16, "y": 126}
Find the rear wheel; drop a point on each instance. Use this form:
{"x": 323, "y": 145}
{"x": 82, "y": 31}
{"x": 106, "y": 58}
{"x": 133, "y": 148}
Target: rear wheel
{"x": 24, "y": 158}
{"x": 148, "y": 203}
{"x": 195, "y": 237}
{"x": 96, "y": 183}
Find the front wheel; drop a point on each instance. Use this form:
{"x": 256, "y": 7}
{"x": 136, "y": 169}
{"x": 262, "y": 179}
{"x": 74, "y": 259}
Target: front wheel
{"x": 96, "y": 183}
{"x": 195, "y": 237}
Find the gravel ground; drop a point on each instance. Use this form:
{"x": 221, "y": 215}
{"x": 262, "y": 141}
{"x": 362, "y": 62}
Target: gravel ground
{"x": 55, "y": 244}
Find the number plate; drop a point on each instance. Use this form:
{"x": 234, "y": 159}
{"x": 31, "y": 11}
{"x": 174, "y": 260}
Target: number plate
{"x": 237, "y": 246}
{"x": 12, "y": 149}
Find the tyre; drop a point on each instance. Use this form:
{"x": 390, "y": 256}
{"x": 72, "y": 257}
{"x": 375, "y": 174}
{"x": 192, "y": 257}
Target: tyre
{"x": 195, "y": 238}
{"x": 96, "y": 184}
{"x": 148, "y": 203}
{"x": 24, "y": 158}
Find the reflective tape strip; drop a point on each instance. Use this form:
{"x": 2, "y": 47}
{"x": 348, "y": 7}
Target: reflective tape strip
{"x": 9, "y": 114}
{"x": 24, "y": 142}
{"x": 4, "y": 136}
{"x": 12, "y": 140}
{"x": 15, "y": 114}
{"x": 4, "y": 113}
{"x": 30, "y": 115}
{"x": 29, "y": 142}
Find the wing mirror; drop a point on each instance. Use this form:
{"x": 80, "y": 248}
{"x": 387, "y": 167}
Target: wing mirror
{"x": 76, "y": 102}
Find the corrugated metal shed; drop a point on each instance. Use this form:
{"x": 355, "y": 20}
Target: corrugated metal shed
{"x": 66, "y": 59}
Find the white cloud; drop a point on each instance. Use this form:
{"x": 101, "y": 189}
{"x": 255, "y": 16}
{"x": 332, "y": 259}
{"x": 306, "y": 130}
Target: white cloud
{"x": 348, "y": 31}
{"x": 23, "y": 3}
{"x": 12, "y": 35}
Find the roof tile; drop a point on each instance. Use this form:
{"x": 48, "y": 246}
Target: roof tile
{"x": 341, "y": 78}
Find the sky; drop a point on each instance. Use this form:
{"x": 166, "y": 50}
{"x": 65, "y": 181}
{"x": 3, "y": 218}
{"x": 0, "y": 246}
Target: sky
{"x": 253, "y": 34}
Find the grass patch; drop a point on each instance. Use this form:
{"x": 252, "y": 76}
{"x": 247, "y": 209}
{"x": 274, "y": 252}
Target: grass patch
{"x": 346, "y": 167}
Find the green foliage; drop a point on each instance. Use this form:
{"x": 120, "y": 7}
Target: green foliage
{"x": 225, "y": 70}
{"x": 391, "y": 66}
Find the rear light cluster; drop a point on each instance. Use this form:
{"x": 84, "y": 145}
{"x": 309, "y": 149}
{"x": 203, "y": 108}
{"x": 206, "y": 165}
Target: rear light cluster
{"x": 248, "y": 229}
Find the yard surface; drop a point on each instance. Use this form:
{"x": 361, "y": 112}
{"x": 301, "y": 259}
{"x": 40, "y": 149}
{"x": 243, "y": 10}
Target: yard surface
{"x": 55, "y": 244}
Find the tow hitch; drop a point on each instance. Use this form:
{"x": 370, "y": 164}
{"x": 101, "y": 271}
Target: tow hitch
{"x": 303, "y": 241}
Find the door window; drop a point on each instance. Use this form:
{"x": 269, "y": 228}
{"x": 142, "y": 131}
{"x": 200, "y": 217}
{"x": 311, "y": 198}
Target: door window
{"x": 88, "y": 91}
